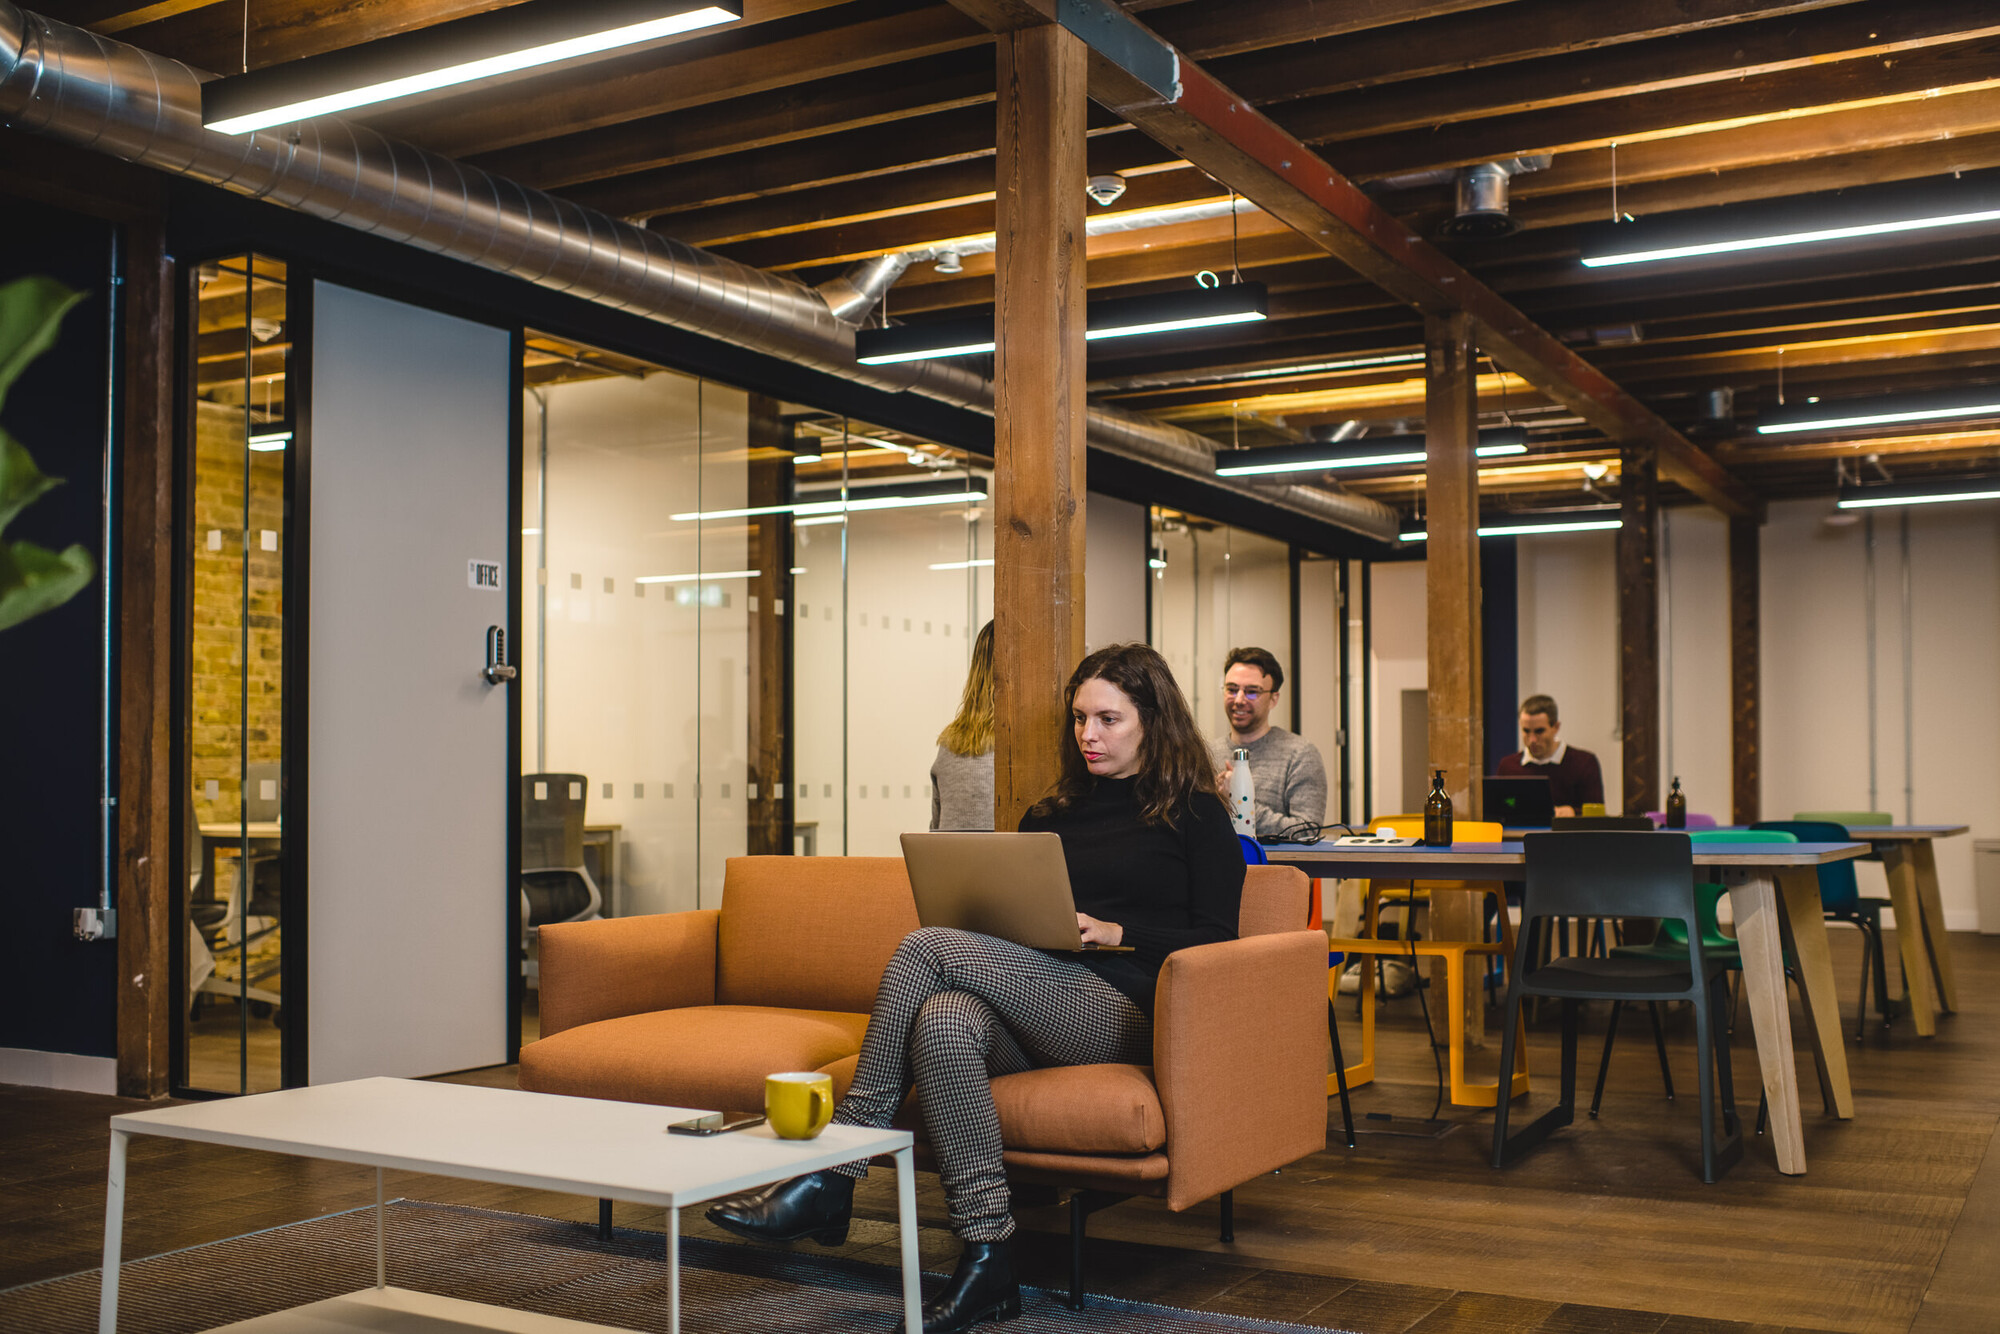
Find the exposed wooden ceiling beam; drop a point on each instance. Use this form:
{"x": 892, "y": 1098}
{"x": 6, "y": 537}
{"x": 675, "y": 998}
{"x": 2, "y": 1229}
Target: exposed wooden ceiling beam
{"x": 116, "y": 16}
{"x": 1525, "y": 30}
{"x": 854, "y": 101}
{"x": 1216, "y": 130}
{"x": 1211, "y": 30}
{"x": 1673, "y": 112}
{"x": 1944, "y": 444}
{"x": 733, "y": 63}
{"x": 1876, "y": 31}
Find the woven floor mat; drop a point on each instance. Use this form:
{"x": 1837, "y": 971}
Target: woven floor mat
{"x": 534, "y": 1264}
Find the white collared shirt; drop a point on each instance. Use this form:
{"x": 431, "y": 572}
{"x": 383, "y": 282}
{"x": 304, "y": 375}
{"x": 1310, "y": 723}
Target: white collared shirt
{"x": 1562, "y": 749}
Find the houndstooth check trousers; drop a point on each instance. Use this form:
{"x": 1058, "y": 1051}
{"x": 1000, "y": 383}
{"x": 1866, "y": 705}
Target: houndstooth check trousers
{"x": 956, "y": 1009}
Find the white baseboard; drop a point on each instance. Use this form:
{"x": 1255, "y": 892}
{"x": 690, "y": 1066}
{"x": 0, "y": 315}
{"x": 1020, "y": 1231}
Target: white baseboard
{"x": 58, "y": 1070}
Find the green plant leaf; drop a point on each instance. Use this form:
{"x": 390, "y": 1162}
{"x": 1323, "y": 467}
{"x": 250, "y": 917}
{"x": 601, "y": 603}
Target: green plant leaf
{"x": 20, "y": 480}
{"x": 31, "y": 310}
{"x": 34, "y": 579}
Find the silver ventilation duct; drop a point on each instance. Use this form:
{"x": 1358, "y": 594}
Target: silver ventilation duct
{"x": 854, "y": 293}
{"x": 90, "y": 91}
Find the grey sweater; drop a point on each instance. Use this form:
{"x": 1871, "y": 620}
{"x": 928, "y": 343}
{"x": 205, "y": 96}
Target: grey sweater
{"x": 962, "y": 791}
{"x": 1289, "y": 776}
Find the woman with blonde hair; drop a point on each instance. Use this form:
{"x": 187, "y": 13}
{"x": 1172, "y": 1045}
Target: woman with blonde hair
{"x": 962, "y": 775}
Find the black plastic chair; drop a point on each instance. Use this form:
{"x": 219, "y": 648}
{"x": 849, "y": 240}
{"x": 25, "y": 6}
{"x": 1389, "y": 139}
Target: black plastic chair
{"x": 554, "y": 884}
{"x": 1616, "y": 874}
{"x": 1598, "y": 824}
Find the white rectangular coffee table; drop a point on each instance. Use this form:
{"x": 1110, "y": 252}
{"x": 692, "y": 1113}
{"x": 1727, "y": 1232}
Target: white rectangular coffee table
{"x": 583, "y": 1146}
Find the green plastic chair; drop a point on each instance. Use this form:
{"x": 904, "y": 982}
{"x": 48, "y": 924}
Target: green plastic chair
{"x": 1669, "y": 943}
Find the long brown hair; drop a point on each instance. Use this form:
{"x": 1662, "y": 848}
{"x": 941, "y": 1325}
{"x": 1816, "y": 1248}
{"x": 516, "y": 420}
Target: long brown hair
{"x": 1174, "y": 764}
{"x": 971, "y": 731}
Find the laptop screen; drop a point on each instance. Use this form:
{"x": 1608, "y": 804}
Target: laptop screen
{"x": 1519, "y": 802}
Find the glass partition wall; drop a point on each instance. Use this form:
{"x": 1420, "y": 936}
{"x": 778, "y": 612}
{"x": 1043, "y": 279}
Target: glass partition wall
{"x": 745, "y": 622}
{"x": 232, "y": 1037}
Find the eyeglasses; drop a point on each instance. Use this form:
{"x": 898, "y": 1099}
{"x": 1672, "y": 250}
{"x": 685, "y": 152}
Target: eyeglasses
{"x": 1250, "y": 694}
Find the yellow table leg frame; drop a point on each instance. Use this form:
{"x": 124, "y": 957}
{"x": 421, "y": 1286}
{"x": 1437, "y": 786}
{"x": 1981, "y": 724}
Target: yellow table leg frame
{"x": 1457, "y": 964}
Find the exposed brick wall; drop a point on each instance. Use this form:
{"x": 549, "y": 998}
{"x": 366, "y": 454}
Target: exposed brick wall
{"x": 221, "y": 727}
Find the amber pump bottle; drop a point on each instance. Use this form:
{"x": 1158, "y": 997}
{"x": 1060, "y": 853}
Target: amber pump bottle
{"x": 1437, "y": 814}
{"x": 1677, "y": 807}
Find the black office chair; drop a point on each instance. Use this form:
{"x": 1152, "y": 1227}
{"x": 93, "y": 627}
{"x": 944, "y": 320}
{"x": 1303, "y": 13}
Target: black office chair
{"x": 1625, "y": 874}
{"x": 555, "y": 887}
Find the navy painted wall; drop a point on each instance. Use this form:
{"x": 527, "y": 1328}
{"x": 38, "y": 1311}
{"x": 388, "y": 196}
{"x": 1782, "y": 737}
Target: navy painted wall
{"x": 1500, "y": 647}
{"x": 56, "y": 994}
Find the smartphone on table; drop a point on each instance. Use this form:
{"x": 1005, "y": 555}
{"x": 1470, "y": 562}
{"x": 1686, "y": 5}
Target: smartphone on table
{"x": 716, "y": 1123}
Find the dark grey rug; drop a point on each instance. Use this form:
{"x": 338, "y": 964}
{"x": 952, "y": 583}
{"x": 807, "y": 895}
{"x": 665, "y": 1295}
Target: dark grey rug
{"x": 535, "y": 1264}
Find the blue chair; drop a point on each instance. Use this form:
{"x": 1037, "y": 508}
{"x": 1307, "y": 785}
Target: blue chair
{"x": 1254, "y": 855}
{"x": 1841, "y": 900}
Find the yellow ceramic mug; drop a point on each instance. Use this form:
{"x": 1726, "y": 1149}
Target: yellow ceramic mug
{"x": 798, "y": 1105}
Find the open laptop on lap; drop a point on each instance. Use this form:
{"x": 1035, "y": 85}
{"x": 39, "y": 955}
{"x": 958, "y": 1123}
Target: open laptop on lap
{"x": 1013, "y": 886}
{"x": 1519, "y": 802}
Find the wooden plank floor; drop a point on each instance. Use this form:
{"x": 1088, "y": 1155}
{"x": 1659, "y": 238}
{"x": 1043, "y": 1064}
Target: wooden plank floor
{"x": 1607, "y": 1227}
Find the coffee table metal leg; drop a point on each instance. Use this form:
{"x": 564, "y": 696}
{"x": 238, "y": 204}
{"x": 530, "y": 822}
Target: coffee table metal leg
{"x": 906, "y": 1224}
{"x": 381, "y": 1236}
{"x": 114, "y": 1236}
{"x": 673, "y": 1269}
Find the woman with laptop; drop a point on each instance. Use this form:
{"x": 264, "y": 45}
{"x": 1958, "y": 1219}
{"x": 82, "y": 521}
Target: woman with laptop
{"x": 1155, "y": 867}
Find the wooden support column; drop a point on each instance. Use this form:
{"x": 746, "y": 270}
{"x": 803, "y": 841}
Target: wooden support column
{"x": 1038, "y": 422}
{"x": 1451, "y": 596}
{"x": 1745, "y": 675}
{"x": 1639, "y": 627}
{"x": 770, "y": 650}
{"x": 145, "y": 573}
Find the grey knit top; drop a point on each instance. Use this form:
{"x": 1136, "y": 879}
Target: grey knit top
{"x": 962, "y": 791}
{"x": 1289, "y": 777}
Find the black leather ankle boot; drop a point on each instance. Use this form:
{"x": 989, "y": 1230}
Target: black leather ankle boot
{"x": 819, "y": 1205}
{"x": 982, "y": 1287}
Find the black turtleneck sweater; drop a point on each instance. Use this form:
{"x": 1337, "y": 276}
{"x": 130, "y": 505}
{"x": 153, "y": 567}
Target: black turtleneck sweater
{"x": 1168, "y": 887}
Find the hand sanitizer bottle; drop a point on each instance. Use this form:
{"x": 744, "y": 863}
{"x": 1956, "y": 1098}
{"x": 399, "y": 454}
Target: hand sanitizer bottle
{"x": 1242, "y": 794}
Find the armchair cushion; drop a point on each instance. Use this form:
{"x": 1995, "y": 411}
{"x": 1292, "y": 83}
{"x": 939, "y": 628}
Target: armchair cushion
{"x": 1081, "y": 1109}
{"x": 712, "y": 1056}
{"x": 810, "y": 932}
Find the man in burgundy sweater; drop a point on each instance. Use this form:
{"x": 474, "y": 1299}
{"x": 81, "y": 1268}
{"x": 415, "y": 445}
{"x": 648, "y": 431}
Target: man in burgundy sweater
{"x": 1573, "y": 775}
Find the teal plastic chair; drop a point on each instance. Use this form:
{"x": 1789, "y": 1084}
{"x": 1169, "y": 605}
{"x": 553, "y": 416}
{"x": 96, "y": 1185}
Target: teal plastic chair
{"x": 1841, "y": 900}
{"x": 1669, "y": 943}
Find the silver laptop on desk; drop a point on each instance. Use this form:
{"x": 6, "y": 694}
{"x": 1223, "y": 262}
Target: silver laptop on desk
{"x": 1014, "y": 886}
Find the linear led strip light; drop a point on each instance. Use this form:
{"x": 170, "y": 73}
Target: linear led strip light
{"x": 1978, "y": 401}
{"x": 1529, "y": 526}
{"x": 1384, "y": 451}
{"x": 1775, "y": 240}
{"x": 984, "y": 564}
{"x": 1938, "y": 491}
{"x": 482, "y": 46}
{"x": 1118, "y": 317}
{"x": 268, "y": 441}
{"x": 887, "y": 498}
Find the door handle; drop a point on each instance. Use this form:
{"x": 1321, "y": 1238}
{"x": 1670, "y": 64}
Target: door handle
{"x": 496, "y": 669}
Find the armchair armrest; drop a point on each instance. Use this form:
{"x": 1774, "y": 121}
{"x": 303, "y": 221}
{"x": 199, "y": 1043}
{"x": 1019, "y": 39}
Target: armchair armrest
{"x": 626, "y": 965}
{"x": 1240, "y": 1055}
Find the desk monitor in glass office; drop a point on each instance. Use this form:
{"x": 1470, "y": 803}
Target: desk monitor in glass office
{"x": 1014, "y": 886}
{"x": 1519, "y": 803}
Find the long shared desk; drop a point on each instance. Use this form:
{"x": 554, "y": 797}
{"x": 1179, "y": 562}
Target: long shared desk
{"x": 1773, "y": 894}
